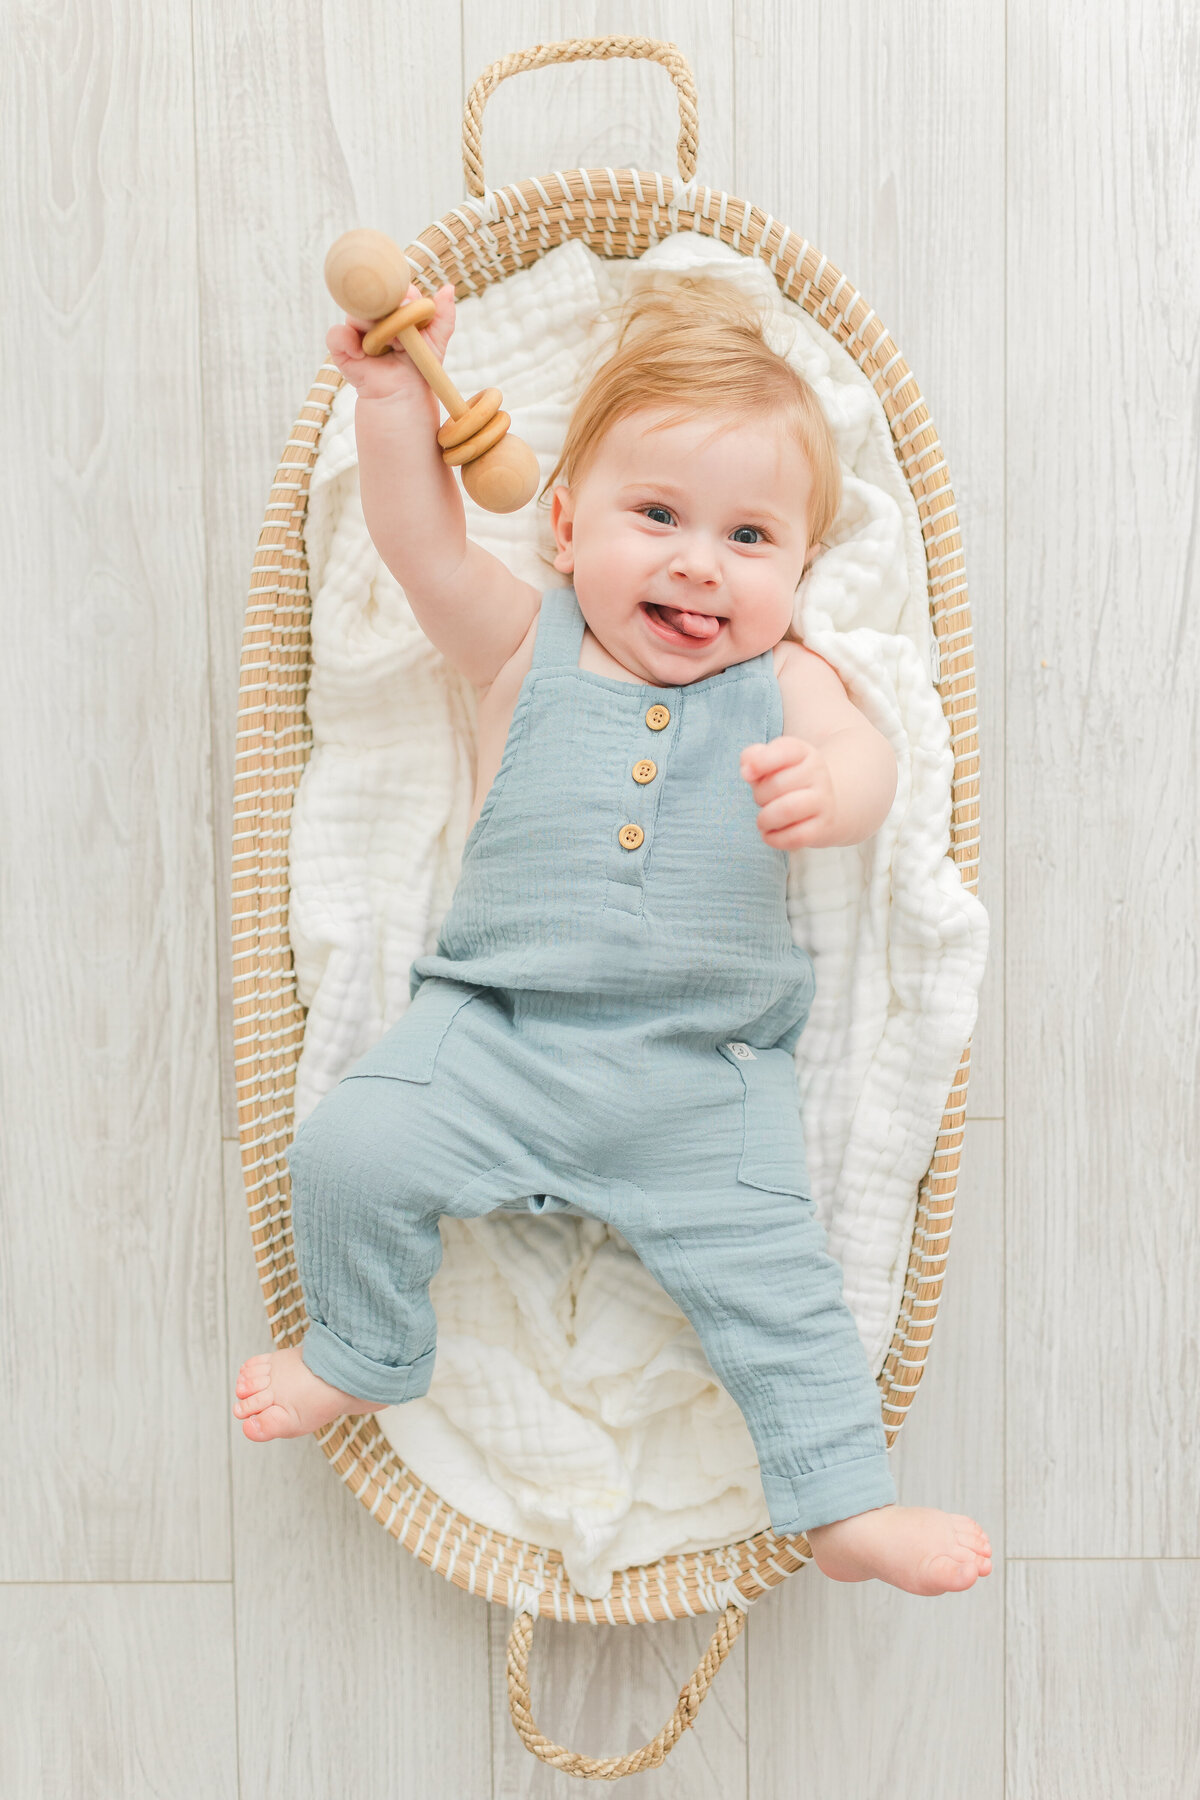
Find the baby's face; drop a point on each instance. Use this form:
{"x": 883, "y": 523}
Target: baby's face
{"x": 686, "y": 542}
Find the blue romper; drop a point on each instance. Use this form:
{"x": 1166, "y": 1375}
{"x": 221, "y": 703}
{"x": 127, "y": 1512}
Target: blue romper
{"x": 606, "y": 1026}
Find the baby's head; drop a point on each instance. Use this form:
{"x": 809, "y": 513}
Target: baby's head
{"x": 696, "y": 481}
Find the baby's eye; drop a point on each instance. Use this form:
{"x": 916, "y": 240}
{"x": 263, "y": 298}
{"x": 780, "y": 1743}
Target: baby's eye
{"x": 665, "y": 511}
{"x": 737, "y": 537}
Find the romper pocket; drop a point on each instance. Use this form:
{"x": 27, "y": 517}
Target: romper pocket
{"x": 408, "y": 1049}
{"x": 773, "y": 1154}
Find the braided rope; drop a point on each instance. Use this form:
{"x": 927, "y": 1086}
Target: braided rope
{"x": 581, "y": 50}
{"x": 612, "y": 1768}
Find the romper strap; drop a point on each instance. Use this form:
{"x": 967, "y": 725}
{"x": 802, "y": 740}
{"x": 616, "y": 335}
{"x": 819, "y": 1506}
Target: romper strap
{"x": 560, "y": 630}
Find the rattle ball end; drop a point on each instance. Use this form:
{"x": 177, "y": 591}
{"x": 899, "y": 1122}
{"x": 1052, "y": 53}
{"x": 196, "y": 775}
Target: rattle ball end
{"x": 367, "y": 274}
{"x": 504, "y": 478}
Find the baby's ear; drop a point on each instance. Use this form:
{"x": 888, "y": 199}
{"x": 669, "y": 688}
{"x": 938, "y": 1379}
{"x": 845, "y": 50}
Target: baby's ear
{"x": 562, "y": 506}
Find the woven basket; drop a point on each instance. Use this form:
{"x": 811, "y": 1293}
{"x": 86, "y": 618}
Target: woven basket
{"x": 617, "y": 213}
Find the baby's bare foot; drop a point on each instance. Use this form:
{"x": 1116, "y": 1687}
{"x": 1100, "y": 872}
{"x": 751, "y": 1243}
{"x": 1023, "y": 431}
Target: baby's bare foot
{"x": 279, "y": 1396}
{"x": 915, "y": 1548}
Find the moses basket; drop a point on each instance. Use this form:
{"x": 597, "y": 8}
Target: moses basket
{"x": 616, "y": 213}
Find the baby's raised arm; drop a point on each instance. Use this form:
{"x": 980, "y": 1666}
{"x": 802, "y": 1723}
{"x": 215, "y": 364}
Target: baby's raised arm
{"x": 466, "y": 601}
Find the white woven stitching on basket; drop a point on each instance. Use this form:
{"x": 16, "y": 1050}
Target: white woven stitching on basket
{"x": 420, "y": 249}
{"x": 275, "y": 1307}
{"x": 452, "y": 1518}
{"x": 925, "y": 474}
{"x": 844, "y": 315}
{"x": 683, "y": 199}
{"x": 525, "y": 1597}
{"x": 760, "y": 243}
{"x": 467, "y": 276}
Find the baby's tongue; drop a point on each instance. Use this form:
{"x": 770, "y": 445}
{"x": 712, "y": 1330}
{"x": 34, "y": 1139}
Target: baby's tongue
{"x": 697, "y": 625}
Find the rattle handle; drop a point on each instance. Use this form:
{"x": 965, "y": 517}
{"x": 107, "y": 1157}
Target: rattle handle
{"x": 433, "y": 371}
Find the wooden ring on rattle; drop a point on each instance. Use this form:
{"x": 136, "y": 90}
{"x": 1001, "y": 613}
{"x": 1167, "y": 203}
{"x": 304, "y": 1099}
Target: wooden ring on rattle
{"x": 418, "y": 312}
{"x": 480, "y": 408}
{"x": 483, "y": 440}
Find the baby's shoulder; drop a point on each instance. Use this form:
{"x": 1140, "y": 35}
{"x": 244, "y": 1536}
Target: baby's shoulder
{"x": 796, "y": 664}
{"x": 816, "y": 701}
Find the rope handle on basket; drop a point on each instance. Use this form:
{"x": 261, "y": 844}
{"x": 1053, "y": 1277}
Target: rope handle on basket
{"x": 613, "y": 1768}
{"x": 581, "y": 50}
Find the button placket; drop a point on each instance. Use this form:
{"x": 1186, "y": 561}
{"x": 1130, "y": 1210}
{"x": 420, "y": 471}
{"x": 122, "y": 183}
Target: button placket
{"x": 634, "y": 836}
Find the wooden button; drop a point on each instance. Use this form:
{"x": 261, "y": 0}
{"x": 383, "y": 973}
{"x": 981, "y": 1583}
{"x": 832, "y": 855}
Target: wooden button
{"x": 657, "y": 717}
{"x": 630, "y": 836}
{"x": 644, "y": 771}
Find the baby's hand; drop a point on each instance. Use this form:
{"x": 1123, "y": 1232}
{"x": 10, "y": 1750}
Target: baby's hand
{"x": 793, "y": 789}
{"x": 378, "y": 377}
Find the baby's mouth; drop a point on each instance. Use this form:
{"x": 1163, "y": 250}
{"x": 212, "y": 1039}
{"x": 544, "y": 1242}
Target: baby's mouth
{"x": 692, "y": 627}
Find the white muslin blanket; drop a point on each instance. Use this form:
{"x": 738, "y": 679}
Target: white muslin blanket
{"x": 571, "y": 1403}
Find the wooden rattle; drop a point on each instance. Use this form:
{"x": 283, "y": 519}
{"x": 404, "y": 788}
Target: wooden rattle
{"x": 368, "y": 276}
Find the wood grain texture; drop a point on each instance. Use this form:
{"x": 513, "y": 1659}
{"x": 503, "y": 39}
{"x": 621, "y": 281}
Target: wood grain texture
{"x": 307, "y": 124}
{"x": 614, "y": 114}
{"x": 908, "y": 201}
{"x": 120, "y": 1692}
{"x": 359, "y": 1670}
{"x": 1103, "y": 1673}
{"x": 1103, "y": 1007}
{"x": 110, "y": 1276}
{"x": 847, "y": 1679}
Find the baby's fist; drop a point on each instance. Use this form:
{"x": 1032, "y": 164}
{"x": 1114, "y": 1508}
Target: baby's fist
{"x": 377, "y": 377}
{"x": 793, "y": 789}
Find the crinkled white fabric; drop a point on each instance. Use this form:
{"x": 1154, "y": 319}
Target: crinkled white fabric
{"x": 571, "y": 1402}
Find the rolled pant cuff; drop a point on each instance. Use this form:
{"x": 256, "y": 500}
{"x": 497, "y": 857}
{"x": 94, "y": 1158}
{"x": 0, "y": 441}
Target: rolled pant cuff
{"x": 343, "y": 1367}
{"x": 796, "y": 1502}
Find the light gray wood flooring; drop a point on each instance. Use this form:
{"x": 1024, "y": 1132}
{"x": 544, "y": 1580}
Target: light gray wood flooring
{"x": 1015, "y": 188}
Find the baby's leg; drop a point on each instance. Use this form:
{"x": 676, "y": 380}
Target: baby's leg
{"x": 367, "y": 1246}
{"x": 752, "y": 1273}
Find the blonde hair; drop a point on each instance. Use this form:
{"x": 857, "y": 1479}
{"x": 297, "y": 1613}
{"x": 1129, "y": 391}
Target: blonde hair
{"x": 697, "y": 347}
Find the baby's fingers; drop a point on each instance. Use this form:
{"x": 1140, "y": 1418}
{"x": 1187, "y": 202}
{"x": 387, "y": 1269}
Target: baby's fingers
{"x": 344, "y": 340}
{"x": 440, "y": 328}
{"x": 764, "y": 759}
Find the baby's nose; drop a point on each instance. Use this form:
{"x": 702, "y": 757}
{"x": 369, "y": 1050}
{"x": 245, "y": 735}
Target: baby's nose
{"x": 695, "y": 559}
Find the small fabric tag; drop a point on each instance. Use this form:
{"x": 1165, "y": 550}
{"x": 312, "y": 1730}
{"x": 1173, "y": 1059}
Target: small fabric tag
{"x": 743, "y": 1052}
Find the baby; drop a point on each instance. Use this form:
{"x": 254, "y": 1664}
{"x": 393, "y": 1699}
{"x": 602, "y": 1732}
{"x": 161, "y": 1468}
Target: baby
{"x": 608, "y": 1021}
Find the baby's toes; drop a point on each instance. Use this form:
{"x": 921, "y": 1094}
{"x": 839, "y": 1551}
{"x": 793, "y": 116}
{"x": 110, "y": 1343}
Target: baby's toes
{"x": 271, "y": 1422}
{"x": 956, "y": 1572}
{"x": 250, "y": 1404}
{"x": 254, "y": 1374}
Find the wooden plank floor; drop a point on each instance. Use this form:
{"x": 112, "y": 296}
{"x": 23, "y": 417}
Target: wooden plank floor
{"x": 1014, "y": 188}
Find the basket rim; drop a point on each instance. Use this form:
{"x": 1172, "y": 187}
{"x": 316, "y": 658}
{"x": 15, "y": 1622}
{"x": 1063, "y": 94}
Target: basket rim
{"x": 618, "y": 213}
